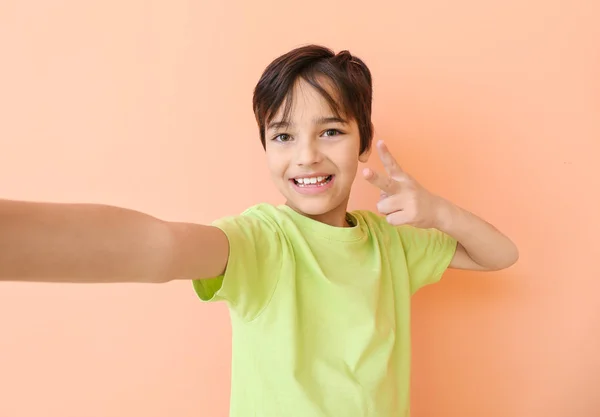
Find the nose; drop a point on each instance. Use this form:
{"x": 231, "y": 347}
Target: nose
{"x": 308, "y": 153}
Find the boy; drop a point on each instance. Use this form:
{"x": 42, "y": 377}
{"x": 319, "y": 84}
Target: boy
{"x": 319, "y": 297}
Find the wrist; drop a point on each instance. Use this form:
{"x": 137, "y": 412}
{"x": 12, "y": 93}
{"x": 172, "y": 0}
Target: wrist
{"x": 445, "y": 213}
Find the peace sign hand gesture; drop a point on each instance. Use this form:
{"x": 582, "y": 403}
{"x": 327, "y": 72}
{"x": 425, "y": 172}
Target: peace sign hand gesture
{"x": 403, "y": 200}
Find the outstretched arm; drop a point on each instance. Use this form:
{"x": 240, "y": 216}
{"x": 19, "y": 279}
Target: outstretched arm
{"x": 50, "y": 242}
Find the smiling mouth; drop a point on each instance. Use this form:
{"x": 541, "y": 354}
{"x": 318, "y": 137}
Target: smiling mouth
{"x": 312, "y": 181}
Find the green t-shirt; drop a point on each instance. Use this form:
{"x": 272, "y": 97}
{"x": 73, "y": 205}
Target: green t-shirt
{"x": 320, "y": 314}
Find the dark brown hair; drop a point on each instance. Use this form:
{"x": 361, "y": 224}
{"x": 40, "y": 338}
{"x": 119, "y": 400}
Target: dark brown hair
{"x": 348, "y": 74}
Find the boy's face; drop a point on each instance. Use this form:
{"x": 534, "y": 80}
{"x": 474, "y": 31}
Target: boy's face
{"x": 313, "y": 160}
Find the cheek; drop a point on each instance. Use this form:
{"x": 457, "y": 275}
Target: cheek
{"x": 348, "y": 163}
{"x": 276, "y": 164}
{"x": 347, "y": 156}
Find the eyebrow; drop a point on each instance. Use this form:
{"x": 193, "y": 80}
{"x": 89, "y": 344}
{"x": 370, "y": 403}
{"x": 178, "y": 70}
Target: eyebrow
{"x": 326, "y": 120}
{"x": 277, "y": 125}
{"x": 318, "y": 122}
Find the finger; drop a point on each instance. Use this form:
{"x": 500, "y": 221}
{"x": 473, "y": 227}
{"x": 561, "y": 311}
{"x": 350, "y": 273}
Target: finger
{"x": 383, "y": 182}
{"x": 391, "y": 204}
{"x": 390, "y": 164}
{"x": 398, "y": 218}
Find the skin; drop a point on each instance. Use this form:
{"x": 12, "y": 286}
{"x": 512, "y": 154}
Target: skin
{"x": 314, "y": 142}
{"x": 49, "y": 242}
{"x": 404, "y": 201}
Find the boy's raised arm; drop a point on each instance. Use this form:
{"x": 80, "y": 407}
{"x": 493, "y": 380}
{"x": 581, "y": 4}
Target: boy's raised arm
{"x": 50, "y": 242}
{"x": 405, "y": 202}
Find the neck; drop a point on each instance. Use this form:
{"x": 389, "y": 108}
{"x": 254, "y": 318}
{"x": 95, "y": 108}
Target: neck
{"x": 335, "y": 217}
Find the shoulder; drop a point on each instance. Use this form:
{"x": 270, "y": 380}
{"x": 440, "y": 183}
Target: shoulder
{"x": 375, "y": 223}
{"x": 263, "y": 211}
{"x": 407, "y": 235}
{"x": 258, "y": 217}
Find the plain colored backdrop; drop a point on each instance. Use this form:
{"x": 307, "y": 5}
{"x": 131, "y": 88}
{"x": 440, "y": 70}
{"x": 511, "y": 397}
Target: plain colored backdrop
{"x": 147, "y": 105}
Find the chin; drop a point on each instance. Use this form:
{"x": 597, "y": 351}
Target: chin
{"x": 313, "y": 205}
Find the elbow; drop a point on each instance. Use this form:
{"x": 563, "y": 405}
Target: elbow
{"x": 515, "y": 257}
{"x": 512, "y": 255}
{"x": 510, "y": 258}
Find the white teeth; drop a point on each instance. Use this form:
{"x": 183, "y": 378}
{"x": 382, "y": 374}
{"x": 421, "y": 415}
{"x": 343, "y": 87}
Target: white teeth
{"x": 311, "y": 181}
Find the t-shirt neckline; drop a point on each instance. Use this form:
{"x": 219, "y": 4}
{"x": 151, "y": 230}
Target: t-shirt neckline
{"x": 355, "y": 232}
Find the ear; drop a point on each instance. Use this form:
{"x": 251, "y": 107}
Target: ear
{"x": 364, "y": 157}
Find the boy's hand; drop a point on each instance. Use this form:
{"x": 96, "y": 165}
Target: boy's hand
{"x": 403, "y": 199}
{"x": 480, "y": 247}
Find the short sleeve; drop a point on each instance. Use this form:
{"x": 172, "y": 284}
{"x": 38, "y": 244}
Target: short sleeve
{"x": 428, "y": 254}
{"x": 252, "y": 267}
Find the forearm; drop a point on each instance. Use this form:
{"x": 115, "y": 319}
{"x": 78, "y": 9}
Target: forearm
{"x": 484, "y": 244}
{"x": 48, "y": 242}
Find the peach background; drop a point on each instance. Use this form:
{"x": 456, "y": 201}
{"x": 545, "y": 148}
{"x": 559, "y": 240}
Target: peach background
{"x": 147, "y": 105}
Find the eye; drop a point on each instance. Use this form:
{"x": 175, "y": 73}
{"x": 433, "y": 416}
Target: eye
{"x": 284, "y": 137}
{"x": 332, "y": 132}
